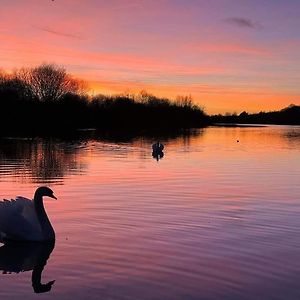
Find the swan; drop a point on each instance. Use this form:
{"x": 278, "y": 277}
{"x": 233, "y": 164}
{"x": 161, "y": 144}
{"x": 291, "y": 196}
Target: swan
{"x": 157, "y": 147}
{"x": 22, "y": 219}
{"x": 157, "y": 150}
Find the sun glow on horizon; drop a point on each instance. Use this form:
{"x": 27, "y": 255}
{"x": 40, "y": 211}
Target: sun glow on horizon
{"x": 229, "y": 59}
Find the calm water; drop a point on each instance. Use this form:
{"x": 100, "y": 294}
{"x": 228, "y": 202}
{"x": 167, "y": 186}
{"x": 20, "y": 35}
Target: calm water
{"x": 213, "y": 219}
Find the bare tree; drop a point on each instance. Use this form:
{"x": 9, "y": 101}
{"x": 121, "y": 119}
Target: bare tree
{"x": 184, "y": 101}
{"x": 10, "y": 84}
{"x": 49, "y": 82}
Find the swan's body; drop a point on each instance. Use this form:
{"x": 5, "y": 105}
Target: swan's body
{"x": 157, "y": 147}
{"x": 23, "y": 219}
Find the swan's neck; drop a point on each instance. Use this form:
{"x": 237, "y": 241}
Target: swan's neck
{"x": 47, "y": 229}
{"x": 36, "y": 276}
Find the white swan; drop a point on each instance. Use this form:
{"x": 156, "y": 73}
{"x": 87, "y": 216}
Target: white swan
{"x": 23, "y": 219}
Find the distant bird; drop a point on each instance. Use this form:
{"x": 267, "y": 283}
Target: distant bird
{"x": 158, "y": 147}
{"x": 157, "y": 151}
{"x": 23, "y": 219}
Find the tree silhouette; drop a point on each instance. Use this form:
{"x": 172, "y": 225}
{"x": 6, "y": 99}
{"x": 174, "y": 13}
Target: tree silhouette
{"x": 48, "y": 82}
{"x": 46, "y": 98}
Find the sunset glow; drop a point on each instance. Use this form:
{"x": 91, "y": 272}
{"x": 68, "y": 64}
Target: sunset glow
{"x": 228, "y": 55}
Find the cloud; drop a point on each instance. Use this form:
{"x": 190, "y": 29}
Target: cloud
{"x": 60, "y": 33}
{"x": 242, "y": 22}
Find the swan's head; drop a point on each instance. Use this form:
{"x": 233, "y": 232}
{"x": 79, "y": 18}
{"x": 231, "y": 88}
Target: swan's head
{"x": 45, "y": 191}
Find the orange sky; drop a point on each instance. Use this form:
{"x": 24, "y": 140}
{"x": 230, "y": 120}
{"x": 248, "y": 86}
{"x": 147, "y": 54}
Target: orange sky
{"x": 228, "y": 56}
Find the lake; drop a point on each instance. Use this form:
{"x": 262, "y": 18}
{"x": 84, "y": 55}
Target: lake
{"x": 216, "y": 218}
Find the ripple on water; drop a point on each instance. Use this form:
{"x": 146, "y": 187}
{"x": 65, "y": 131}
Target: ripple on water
{"x": 211, "y": 220}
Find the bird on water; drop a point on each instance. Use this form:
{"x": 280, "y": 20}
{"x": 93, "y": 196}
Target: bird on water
{"x": 22, "y": 219}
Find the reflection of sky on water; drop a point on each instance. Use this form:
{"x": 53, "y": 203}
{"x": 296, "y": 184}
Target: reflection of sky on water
{"x": 40, "y": 160}
{"x": 214, "y": 219}
{"x": 46, "y": 161}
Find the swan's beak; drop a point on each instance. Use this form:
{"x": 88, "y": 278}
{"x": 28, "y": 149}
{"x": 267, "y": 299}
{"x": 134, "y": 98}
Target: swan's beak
{"x": 52, "y": 196}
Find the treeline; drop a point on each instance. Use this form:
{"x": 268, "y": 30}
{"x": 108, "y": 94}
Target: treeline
{"x": 48, "y": 98}
{"x": 287, "y": 116}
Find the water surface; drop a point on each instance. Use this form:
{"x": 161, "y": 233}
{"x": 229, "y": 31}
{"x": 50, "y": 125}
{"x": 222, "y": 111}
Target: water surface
{"x": 216, "y": 218}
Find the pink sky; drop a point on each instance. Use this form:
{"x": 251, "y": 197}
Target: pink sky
{"x": 229, "y": 55}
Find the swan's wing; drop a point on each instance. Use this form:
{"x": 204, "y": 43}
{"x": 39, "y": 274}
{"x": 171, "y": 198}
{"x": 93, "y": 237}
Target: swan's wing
{"x": 29, "y": 212}
{"x": 18, "y": 219}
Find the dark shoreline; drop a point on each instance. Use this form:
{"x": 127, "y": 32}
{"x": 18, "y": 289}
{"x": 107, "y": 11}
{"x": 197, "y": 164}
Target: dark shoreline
{"x": 46, "y": 100}
{"x": 287, "y": 116}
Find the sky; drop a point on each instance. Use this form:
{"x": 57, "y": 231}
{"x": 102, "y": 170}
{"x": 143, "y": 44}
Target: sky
{"x": 229, "y": 55}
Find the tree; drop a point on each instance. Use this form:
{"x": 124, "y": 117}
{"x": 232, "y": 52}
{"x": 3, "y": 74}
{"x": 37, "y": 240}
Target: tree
{"x": 49, "y": 82}
{"x": 184, "y": 101}
{"x": 11, "y": 87}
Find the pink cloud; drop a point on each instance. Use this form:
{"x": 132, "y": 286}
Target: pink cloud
{"x": 34, "y": 51}
{"x": 168, "y": 47}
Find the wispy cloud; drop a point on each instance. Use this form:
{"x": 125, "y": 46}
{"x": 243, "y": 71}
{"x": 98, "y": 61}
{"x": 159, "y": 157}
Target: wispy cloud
{"x": 60, "y": 33}
{"x": 242, "y": 22}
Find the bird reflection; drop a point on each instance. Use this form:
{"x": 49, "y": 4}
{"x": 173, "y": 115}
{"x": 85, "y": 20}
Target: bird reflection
{"x": 20, "y": 257}
{"x": 157, "y": 155}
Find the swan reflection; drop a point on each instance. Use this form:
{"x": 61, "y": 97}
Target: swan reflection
{"x": 20, "y": 257}
{"x": 157, "y": 155}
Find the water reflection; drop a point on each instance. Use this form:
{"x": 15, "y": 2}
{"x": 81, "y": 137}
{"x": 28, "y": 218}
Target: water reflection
{"x": 39, "y": 160}
{"x": 21, "y": 257}
{"x": 292, "y": 136}
{"x": 51, "y": 160}
{"x": 178, "y": 136}
{"x": 158, "y": 155}
{"x": 219, "y": 217}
